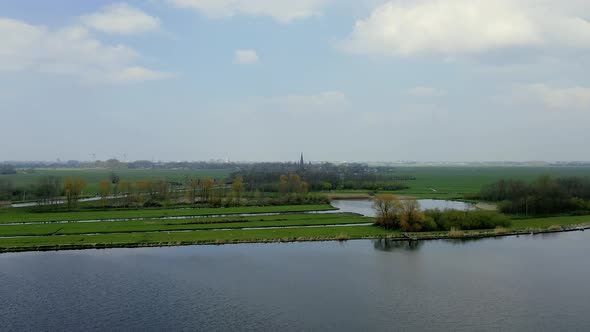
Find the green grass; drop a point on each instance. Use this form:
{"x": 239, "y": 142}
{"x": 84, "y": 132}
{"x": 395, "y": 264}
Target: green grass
{"x": 10, "y": 215}
{"x": 546, "y": 222}
{"x": 450, "y": 182}
{"x": 456, "y": 181}
{"x": 94, "y": 176}
{"x": 162, "y": 238}
{"x": 183, "y": 224}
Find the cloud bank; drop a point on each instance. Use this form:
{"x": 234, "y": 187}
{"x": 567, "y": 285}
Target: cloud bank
{"x": 70, "y": 51}
{"x": 121, "y": 19}
{"x": 454, "y": 27}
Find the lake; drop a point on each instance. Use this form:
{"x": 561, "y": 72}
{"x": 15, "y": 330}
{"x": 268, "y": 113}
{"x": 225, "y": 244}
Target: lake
{"x": 365, "y": 206}
{"x": 530, "y": 283}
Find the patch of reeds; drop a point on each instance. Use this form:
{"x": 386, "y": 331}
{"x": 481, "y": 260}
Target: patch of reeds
{"x": 501, "y": 230}
{"x": 342, "y": 237}
{"x": 455, "y": 232}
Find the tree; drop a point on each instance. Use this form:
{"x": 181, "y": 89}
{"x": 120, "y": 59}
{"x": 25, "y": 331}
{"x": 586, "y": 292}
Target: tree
{"x": 113, "y": 163}
{"x": 238, "y": 188}
{"x": 72, "y": 190}
{"x": 163, "y": 189}
{"x": 48, "y": 189}
{"x": 7, "y": 169}
{"x": 294, "y": 183}
{"x": 145, "y": 187}
{"x": 127, "y": 189}
{"x": 104, "y": 190}
{"x": 412, "y": 220}
{"x": 6, "y": 189}
{"x": 115, "y": 179}
{"x": 194, "y": 183}
{"x": 388, "y": 210}
{"x": 206, "y": 189}
{"x": 283, "y": 184}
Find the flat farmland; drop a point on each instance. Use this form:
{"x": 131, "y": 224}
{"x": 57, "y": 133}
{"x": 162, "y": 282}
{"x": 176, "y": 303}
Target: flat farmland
{"x": 456, "y": 181}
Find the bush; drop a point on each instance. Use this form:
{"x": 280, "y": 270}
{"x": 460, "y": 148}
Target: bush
{"x": 543, "y": 196}
{"x": 152, "y": 203}
{"x": 446, "y": 220}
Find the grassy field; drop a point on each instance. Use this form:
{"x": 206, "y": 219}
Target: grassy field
{"x": 94, "y": 176}
{"x": 195, "y": 237}
{"x": 11, "y": 215}
{"x": 448, "y": 182}
{"x": 546, "y": 222}
{"x": 456, "y": 181}
{"x": 285, "y": 220}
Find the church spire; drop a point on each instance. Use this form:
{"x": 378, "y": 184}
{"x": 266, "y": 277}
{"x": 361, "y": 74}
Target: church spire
{"x": 301, "y": 161}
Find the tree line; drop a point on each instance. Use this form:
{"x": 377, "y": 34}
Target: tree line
{"x": 7, "y": 169}
{"x": 323, "y": 177}
{"x": 544, "y": 195}
{"x": 121, "y": 193}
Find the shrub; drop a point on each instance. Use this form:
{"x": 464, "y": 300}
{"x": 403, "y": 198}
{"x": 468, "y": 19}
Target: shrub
{"x": 466, "y": 220}
{"x": 455, "y": 232}
{"x": 500, "y": 230}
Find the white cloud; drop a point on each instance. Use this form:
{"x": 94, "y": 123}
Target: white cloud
{"x": 132, "y": 74}
{"x": 424, "y": 92}
{"x": 570, "y": 98}
{"x": 121, "y": 19}
{"x": 246, "y": 57}
{"x": 68, "y": 51}
{"x": 284, "y": 11}
{"x": 452, "y": 27}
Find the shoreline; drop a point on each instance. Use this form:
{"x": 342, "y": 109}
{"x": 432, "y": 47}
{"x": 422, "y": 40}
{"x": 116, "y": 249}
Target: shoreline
{"x": 427, "y": 236}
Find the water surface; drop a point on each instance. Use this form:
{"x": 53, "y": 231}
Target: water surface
{"x": 531, "y": 283}
{"x": 365, "y": 206}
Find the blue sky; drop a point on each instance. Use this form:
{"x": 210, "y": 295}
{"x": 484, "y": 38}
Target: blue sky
{"x": 372, "y": 80}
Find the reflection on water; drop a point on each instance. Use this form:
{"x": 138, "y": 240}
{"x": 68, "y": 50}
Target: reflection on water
{"x": 365, "y": 206}
{"x": 467, "y": 240}
{"x": 392, "y": 245}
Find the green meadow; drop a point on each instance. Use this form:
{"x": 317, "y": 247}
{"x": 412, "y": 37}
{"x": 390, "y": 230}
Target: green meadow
{"x": 454, "y": 182}
{"x": 20, "y": 215}
{"x": 445, "y": 182}
{"x": 283, "y": 220}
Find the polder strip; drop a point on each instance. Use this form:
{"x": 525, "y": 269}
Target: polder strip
{"x": 176, "y": 225}
{"x": 11, "y": 215}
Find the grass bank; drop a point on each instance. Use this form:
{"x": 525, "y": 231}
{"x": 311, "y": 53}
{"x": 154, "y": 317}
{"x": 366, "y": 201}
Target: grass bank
{"x": 12, "y": 215}
{"x": 287, "y": 220}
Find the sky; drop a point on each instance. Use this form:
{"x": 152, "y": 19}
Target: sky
{"x": 264, "y": 80}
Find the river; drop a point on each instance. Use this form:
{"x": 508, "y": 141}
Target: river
{"x": 529, "y": 283}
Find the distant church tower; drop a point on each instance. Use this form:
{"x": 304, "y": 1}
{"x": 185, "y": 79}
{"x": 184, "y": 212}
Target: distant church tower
{"x": 301, "y": 160}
